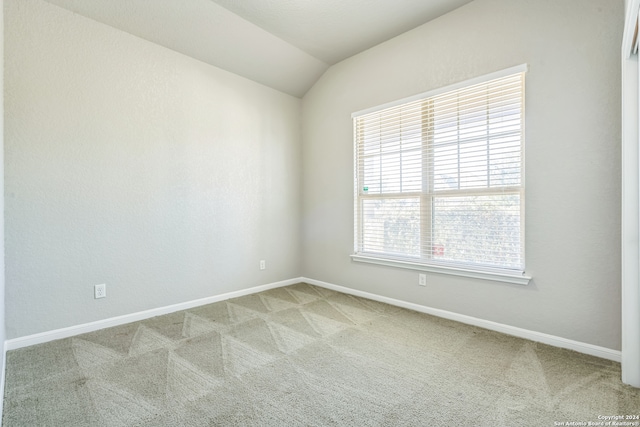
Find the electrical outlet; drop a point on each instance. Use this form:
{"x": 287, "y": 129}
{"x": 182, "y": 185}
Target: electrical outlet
{"x": 422, "y": 279}
{"x": 100, "y": 291}
{"x": 263, "y": 264}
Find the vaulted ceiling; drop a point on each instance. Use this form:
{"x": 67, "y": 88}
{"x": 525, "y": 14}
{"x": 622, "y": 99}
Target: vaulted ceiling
{"x": 283, "y": 44}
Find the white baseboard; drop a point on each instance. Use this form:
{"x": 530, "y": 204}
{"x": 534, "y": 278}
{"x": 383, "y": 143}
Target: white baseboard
{"x": 555, "y": 341}
{"x": 552, "y": 340}
{"x": 71, "y": 331}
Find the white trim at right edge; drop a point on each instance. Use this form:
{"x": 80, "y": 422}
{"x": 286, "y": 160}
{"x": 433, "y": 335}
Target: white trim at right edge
{"x": 553, "y": 340}
{"x": 630, "y": 268}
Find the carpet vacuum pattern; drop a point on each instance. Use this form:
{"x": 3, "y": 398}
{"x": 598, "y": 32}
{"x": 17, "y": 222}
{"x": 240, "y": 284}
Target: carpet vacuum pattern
{"x": 306, "y": 356}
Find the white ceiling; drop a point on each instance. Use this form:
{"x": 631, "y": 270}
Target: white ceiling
{"x": 283, "y": 44}
{"x": 333, "y": 30}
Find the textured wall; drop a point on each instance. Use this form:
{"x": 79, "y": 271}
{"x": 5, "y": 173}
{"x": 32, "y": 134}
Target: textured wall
{"x": 135, "y": 166}
{"x": 572, "y": 48}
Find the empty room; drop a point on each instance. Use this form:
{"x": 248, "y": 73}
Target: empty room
{"x": 350, "y": 213}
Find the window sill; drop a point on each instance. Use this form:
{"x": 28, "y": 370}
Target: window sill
{"x": 517, "y": 279}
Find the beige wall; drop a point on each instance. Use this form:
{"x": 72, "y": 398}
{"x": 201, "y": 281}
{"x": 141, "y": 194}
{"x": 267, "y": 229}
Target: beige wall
{"x": 572, "y": 48}
{"x": 132, "y": 165}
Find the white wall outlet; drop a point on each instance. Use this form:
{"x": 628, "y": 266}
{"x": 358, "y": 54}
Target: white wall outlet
{"x": 422, "y": 279}
{"x": 263, "y": 264}
{"x": 100, "y": 291}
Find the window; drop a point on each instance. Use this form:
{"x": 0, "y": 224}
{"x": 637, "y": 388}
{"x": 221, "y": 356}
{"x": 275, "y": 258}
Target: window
{"x": 439, "y": 180}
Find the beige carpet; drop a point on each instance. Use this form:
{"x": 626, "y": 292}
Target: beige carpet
{"x": 306, "y": 356}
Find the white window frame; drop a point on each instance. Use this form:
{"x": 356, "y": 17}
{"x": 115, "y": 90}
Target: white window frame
{"x": 494, "y": 274}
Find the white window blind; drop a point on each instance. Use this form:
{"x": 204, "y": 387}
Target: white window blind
{"x": 439, "y": 179}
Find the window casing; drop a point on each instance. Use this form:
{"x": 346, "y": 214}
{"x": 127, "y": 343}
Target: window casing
{"x": 440, "y": 178}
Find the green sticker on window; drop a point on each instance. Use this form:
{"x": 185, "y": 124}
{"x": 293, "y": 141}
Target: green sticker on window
{"x": 365, "y": 189}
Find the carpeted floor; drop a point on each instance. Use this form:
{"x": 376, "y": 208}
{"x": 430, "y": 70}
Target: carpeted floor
{"x": 307, "y": 356}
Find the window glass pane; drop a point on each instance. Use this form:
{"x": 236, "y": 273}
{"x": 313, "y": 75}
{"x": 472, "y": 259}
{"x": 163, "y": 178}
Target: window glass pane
{"x": 390, "y": 164}
{"x": 482, "y": 230}
{"x": 472, "y": 123}
{"x": 371, "y": 172}
{"x": 391, "y": 226}
{"x": 445, "y": 167}
{"x": 412, "y": 137}
{"x": 473, "y": 164}
{"x": 411, "y": 171}
{"x": 445, "y": 127}
{"x": 390, "y": 137}
{"x": 368, "y": 133}
{"x": 505, "y": 160}
{"x": 476, "y": 140}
